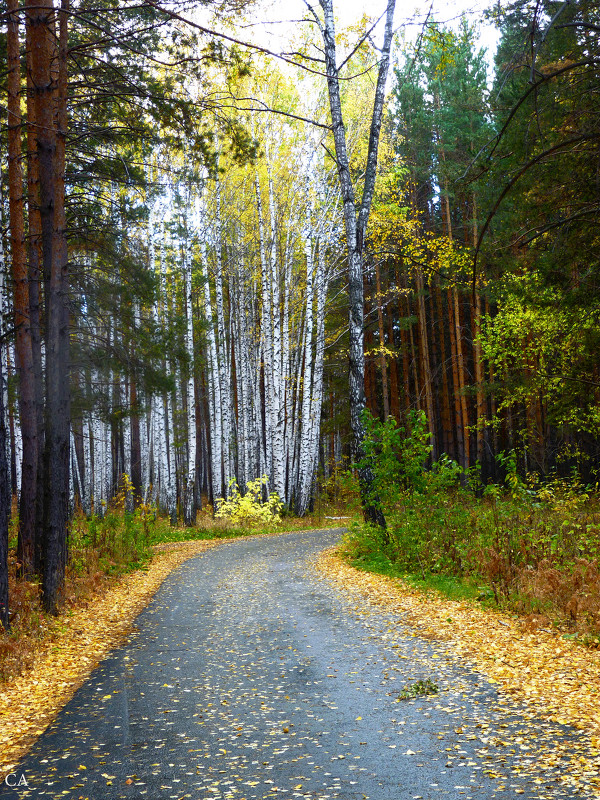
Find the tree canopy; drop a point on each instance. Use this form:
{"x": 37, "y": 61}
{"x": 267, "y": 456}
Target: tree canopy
{"x": 216, "y": 257}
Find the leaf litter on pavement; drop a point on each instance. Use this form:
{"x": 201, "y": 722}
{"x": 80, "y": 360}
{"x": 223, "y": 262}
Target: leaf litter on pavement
{"x": 30, "y": 702}
{"x": 510, "y": 744}
{"x": 537, "y": 673}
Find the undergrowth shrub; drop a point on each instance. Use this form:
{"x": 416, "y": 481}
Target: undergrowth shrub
{"x": 250, "y": 509}
{"x": 534, "y": 543}
{"x": 118, "y": 540}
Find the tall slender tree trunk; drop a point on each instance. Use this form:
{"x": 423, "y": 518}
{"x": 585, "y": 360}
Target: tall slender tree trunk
{"x": 404, "y": 314}
{"x": 168, "y": 456}
{"x": 479, "y": 378}
{"x": 51, "y": 121}
{"x": 35, "y": 298}
{"x": 424, "y": 351}
{"x": 266, "y": 331}
{"x": 355, "y": 227}
{"x": 382, "y": 348}
{"x": 458, "y": 418}
{"x": 414, "y": 359}
{"x": 224, "y": 366}
{"x": 493, "y": 410}
{"x": 447, "y": 427}
{"x": 23, "y": 344}
{"x": 460, "y": 365}
{"x": 4, "y": 514}
{"x": 189, "y": 504}
{"x": 214, "y": 392}
{"x": 304, "y": 453}
{"x": 394, "y": 385}
{"x": 277, "y": 411}
{"x": 307, "y": 476}
{"x": 4, "y": 471}
{"x": 135, "y": 442}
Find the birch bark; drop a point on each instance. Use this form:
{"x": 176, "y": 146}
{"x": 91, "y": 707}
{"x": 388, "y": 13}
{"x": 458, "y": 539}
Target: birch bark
{"x": 355, "y": 221}
{"x": 224, "y": 366}
{"x": 168, "y": 455}
{"x": 311, "y": 437}
{"x": 266, "y": 333}
{"x": 190, "y": 481}
{"x": 214, "y": 390}
{"x": 304, "y": 460}
{"x": 277, "y": 388}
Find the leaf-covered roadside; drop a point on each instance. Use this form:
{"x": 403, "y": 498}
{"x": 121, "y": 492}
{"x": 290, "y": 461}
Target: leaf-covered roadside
{"x": 556, "y": 678}
{"x": 30, "y": 702}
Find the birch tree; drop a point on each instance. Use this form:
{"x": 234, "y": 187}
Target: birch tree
{"x": 190, "y": 478}
{"x": 355, "y": 223}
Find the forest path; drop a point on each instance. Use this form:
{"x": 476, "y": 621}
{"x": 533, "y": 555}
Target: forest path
{"x": 249, "y": 676}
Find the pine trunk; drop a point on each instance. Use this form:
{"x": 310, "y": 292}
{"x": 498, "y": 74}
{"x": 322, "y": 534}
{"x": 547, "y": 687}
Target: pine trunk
{"x": 382, "y": 349}
{"x": 478, "y": 367}
{"x": 23, "y": 344}
{"x": 424, "y": 352}
{"x": 458, "y": 418}
{"x": 461, "y": 379}
{"x": 447, "y": 427}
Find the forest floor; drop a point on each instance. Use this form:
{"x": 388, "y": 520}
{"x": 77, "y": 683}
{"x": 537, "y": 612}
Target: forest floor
{"x": 530, "y": 725}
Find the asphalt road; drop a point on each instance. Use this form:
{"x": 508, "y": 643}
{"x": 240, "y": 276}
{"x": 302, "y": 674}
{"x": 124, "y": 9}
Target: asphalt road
{"x": 250, "y": 677}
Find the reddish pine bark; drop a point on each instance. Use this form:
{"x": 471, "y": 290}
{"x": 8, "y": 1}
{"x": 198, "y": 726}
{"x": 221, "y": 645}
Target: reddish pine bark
{"x": 382, "y": 356}
{"x": 447, "y": 427}
{"x": 49, "y": 96}
{"x": 424, "y": 358}
{"x": 394, "y": 386}
{"x": 23, "y": 348}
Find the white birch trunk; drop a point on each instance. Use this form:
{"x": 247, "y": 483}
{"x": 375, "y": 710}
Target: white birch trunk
{"x": 87, "y": 458}
{"x": 159, "y": 419}
{"x": 277, "y": 388}
{"x": 316, "y": 400}
{"x": 190, "y": 479}
{"x": 168, "y": 458}
{"x": 75, "y": 470}
{"x": 266, "y": 334}
{"x": 355, "y": 223}
{"x": 223, "y": 352}
{"x": 3, "y": 345}
{"x": 304, "y": 459}
{"x": 214, "y": 391}
{"x": 98, "y": 463}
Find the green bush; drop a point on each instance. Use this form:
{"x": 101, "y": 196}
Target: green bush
{"x": 534, "y": 543}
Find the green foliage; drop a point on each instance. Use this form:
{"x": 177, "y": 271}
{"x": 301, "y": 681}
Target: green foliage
{"x": 532, "y": 545}
{"x": 118, "y": 541}
{"x": 546, "y": 350}
{"x": 396, "y": 456}
{"x": 420, "y": 688}
{"x": 249, "y": 509}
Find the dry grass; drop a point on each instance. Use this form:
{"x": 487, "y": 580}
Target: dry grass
{"x": 30, "y": 626}
{"x": 572, "y": 598}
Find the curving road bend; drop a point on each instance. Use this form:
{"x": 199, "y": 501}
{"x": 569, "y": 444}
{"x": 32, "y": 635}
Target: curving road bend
{"x": 249, "y": 677}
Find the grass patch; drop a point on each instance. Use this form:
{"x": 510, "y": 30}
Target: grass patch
{"x": 536, "y": 557}
{"x": 421, "y": 688}
{"x": 449, "y": 586}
